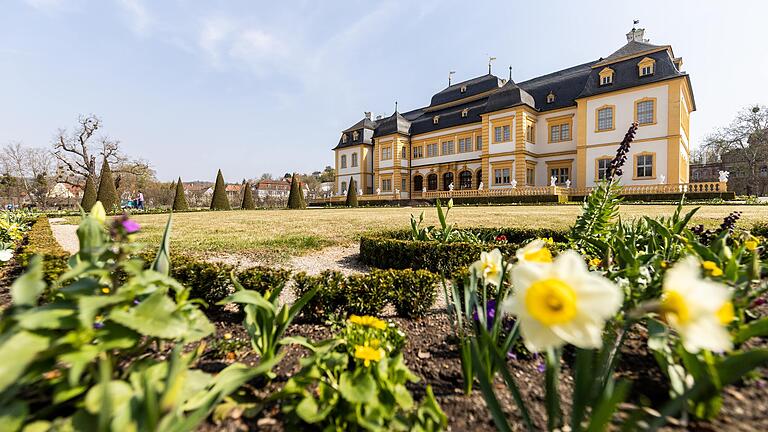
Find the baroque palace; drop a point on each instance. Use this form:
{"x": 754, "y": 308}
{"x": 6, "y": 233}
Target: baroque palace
{"x": 564, "y": 127}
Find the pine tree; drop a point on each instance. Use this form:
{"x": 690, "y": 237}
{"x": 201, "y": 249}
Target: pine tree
{"x": 107, "y": 193}
{"x": 220, "y": 200}
{"x": 89, "y": 194}
{"x": 296, "y": 197}
{"x": 248, "y": 203}
{"x": 352, "y": 193}
{"x": 180, "y": 200}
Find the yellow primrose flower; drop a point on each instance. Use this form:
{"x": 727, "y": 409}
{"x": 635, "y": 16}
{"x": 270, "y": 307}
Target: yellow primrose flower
{"x": 227, "y": 336}
{"x": 105, "y": 290}
{"x": 712, "y": 268}
{"x": 535, "y": 251}
{"x": 368, "y": 354}
{"x": 697, "y": 308}
{"x": 368, "y": 321}
{"x": 595, "y": 262}
{"x": 561, "y": 302}
{"x": 98, "y": 212}
{"x": 489, "y": 267}
{"x": 751, "y": 244}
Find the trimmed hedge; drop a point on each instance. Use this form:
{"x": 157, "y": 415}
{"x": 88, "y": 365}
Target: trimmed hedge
{"x": 40, "y": 241}
{"x": 396, "y": 250}
{"x": 412, "y": 293}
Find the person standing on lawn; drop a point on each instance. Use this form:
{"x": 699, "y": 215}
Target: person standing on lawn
{"x": 140, "y": 201}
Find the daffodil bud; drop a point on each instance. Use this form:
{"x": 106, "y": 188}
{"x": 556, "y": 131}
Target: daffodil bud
{"x": 98, "y": 212}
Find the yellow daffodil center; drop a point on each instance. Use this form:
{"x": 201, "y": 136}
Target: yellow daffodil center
{"x": 751, "y": 245}
{"x": 368, "y": 321}
{"x": 541, "y": 255}
{"x": 368, "y": 354}
{"x": 551, "y": 301}
{"x": 594, "y": 262}
{"x": 674, "y": 307}
{"x": 725, "y": 314}
{"x": 712, "y": 268}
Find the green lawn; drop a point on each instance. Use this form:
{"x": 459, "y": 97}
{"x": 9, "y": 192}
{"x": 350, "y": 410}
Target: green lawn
{"x": 274, "y": 235}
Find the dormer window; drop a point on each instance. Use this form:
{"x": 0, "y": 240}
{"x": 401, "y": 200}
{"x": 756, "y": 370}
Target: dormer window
{"x": 463, "y": 89}
{"x": 646, "y": 66}
{"x": 355, "y": 135}
{"x": 344, "y": 138}
{"x": 550, "y": 97}
{"x": 465, "y": 112}
{"x": 436, "y": 119}
{"x": 606, "y": 76}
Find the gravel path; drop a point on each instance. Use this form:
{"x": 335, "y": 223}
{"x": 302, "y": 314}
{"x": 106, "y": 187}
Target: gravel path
{"x": 65, "y": 234}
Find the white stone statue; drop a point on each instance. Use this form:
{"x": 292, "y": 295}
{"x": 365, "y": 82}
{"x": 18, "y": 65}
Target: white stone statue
{"x": 553, "y": 181}
{"x": 568, "y": 183}
{"x": 423, "y": 190}
{"x": 662, "y": 179}
{"x": 359, "y": 191}
{"x": 480, "y": 186}
{"x": 378, "y": 191}
{"x": 450, "y": 187}
{"x": 397, "y": 191}
{"x": 724, "y": 176}
{"x": 514, "y": 183}
{"x": 345, "y": 193}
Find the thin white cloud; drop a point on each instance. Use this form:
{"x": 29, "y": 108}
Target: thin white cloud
{"x": 225, "y": 41}
{"x": 138, "y": 15}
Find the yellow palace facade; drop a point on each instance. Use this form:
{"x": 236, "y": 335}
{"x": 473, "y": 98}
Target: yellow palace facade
{"x": 560, "y": 129}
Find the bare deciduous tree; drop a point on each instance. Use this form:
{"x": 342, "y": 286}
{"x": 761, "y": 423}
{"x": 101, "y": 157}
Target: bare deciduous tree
{"x": 81, "y": 152}
{"x": 32, "y": 167}
{"x": 745, "y": 140}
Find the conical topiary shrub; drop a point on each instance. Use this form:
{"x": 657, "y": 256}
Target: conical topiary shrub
{"x": 296, "y": 197}
{"x": 352, "y": 193}
{"x": 248, "y": 203}
{"x": 180, "y": 200}
{"x": 89, "y": 194}
{"x": 107, "y": 193}
{"x": 220, "y": 200}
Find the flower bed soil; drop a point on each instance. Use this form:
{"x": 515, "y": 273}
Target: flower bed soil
{"x": 431, "y": 353}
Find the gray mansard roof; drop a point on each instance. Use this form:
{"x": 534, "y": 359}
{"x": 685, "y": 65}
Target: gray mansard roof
{"x": 464, "y": 102}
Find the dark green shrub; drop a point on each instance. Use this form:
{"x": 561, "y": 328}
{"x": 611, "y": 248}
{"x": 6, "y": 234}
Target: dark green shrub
{"x": 352, "y": 193}
{"x": 89, "y": 194}
{"x": 220, "y": 200}
{"x": 296, "y": 196}
{"x": 396, "y": 250}
{"x": 760, "y": 229}
{"x": 107, "y": 193}
{"x": 248, "y": 203}
{"x": 329, "y": 300}
{"x": 367, "y": 294}
{"x": 263, "y": 279}
{"x": 40, "y": 241}
{"x": 413, "y": 292}
{"x": 180, "y": 199}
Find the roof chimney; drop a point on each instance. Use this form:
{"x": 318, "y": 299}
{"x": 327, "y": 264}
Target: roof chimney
{"x": 378, "y": 117}
{"x": 636, "y": 34}
{"x": 368, "y": 115}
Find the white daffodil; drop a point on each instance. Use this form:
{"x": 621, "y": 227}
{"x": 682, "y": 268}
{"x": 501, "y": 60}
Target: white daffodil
{"x": 562, "y": 302}
{"x": 535, "y": 251}
{"x": 6, "y": 255}
{"x": 489, "y": 267}
{"x": 697, "y": 308}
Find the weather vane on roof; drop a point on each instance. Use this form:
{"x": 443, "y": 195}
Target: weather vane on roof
{"x": 490, "y": 60}
{"x": 634, "y": 23}
{"x": 395, "y": 106}
{"x": 450, "y": 74}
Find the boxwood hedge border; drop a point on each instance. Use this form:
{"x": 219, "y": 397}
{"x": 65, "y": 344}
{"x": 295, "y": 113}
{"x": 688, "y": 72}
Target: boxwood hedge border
{"x": 396, "y": 250}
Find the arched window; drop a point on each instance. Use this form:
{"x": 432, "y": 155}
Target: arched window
{"x": 432, "y": 182}
{"x": 465, "y": 180}
{"x": 418, "y": 183}
{"x": 479, "y": 176}
{"x": 343, "y": 161}
{"x": 447, "y": 180}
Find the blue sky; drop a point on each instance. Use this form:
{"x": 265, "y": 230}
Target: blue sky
{"x": 253, "y": 87}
